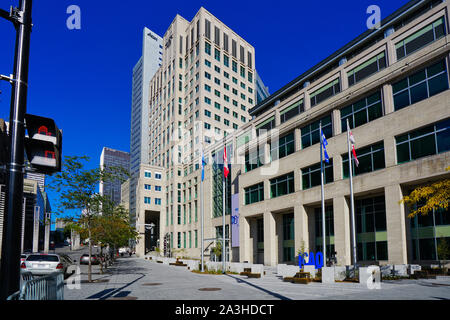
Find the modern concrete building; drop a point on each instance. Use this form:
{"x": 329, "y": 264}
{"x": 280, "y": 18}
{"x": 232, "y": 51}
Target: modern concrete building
{"x": 392, "y": 85}
{"x": 113, "y": 158}
{"x": 382, "y": 82}
{"x": 143, "y": 72}
{"x": 202, "y": 92}
{"x": 151, "y": 199}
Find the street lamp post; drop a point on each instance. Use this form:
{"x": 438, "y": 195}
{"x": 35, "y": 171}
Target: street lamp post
{"x": 10, "y": 275}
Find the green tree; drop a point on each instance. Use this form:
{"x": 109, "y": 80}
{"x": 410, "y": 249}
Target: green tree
{"x": 443, "y": 249}
{"x": 426, "y": 198}
{"x": 113, "y": 228}
{"x": 77, "y": 189}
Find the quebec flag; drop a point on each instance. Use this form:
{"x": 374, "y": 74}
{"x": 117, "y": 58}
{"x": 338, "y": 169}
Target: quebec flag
{"x": 324, "y": 145}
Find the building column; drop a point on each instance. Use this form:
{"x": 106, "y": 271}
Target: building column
{"x": 344, "y": 80}
{"x": 297, "y": 139}
{"x": 306, "y": 101}
{"x": 337, "y": 167}
{"x": 388, "y": 99}
{"x": 390, "y": 53}
{"x": 277, "y": 118}
{"x": 336, "y": 121}
{"x": 301, "y": 229}
{"x": 270, "y": 240}
{"x": 396, "y": 225}
{"x": 342, "y": 240}
{"x": 245, "y": 243}
{"x": 390, "y": 152}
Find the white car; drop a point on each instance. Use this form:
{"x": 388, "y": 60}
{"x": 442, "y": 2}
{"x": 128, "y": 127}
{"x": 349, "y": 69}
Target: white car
{"x": 124, "y": 250}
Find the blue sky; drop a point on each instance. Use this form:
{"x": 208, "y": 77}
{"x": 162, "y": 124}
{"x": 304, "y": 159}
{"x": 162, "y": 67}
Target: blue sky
{"x": 82, "y": 78}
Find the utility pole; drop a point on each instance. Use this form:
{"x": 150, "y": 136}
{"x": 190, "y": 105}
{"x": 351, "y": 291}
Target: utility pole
{"x": 10, "y": 263}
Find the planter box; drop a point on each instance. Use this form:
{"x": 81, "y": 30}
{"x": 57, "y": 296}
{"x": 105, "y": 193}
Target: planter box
{"x": 285, "y": 270}
{"x": 328, "y": 274}
{"x": 401, "y": 270}
{"x": 339, "y": 273}
{"x": 371, "y": 272}
{"x": 311, "y": 269}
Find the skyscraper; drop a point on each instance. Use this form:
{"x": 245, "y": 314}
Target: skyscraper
{"x": 143, "y": 72}
{"x": 113, "y": 158}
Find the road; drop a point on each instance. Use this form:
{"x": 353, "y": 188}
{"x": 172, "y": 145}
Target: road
{"x": 134, "y": 278}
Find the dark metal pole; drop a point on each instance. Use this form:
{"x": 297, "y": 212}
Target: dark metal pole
{"x": 10, "y": 264}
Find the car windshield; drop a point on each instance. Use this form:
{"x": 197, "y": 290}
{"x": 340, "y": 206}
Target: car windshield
{"x": 38, "y": 257}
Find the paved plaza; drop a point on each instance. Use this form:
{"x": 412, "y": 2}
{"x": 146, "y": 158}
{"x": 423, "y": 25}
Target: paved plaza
{"x": 133, "y": 278}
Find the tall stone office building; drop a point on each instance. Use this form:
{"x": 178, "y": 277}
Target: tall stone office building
{"x": 202, "y": 92}
{"x": 392, "y": 84}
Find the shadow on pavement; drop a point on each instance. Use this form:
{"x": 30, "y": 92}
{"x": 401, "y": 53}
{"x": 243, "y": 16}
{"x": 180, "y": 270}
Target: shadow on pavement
{"x": 276, "y": 295}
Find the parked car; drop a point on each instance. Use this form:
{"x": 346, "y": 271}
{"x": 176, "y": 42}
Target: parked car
{"x": 124, "y": 250}
{"x": 43, "y": 264}
{"x": 95, "y": 259}
{"x": 23, "y": 257}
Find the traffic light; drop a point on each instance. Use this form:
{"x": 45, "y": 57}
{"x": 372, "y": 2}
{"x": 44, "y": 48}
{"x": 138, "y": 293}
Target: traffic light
{"x": 43, "y": 144}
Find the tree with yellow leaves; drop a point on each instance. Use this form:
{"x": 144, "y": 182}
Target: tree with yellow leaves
{"x": 431, "y": 197}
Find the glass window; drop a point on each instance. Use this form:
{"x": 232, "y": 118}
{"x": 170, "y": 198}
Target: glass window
{"x": 207, "y": 48}
{"x": 254, "y": 159}
{"x": 234, "y": 66}
{"x": 421, "y": 38}
{"x": 362, "y": 111}
{"x": 226, "y": 60}
{"x": 311, "y": 175}
{"x": 282, "y": 147}
{"x": 291, "y": 111}
{"x": 254, "y": 193}
{"x": 420, "y": 85}
{"x": 217, "y": 54}
{"x": 282, "y": 185}
{"x": 423, "y": 142}
{"x": 325, "y": 92}
{"x": 265, "y": 126}
{"x": 370, "y": 219}
{"x": 367, "y": 69}
{"x": 310, "y": 133}
{"x": 370, "y": 158}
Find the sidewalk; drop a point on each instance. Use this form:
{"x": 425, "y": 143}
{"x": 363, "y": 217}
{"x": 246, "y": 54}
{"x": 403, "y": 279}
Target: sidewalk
{"x": 135, "y": 278}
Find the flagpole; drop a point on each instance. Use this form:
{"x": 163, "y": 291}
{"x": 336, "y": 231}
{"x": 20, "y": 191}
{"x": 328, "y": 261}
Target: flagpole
{"x": 201, "y": 211}
{"x": 322, "y": 197}
{"x": 223, "y": 213}
{"x": 352, "y": 209}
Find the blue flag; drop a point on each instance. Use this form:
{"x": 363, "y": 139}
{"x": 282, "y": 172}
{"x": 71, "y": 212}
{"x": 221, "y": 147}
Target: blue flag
{"x": 324, "y": 145}
{"x": 203, "y": 166}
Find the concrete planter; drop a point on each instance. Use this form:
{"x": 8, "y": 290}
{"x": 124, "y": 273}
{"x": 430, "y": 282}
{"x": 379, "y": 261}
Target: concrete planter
{"x": 311, "y": 269}
{"x": 328, "y": 274}
{"x": 339, "y": 273}
{"x": 285, "y": 270}
{"x": 371, "y": 276}
{"x": 401, "y": 270}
